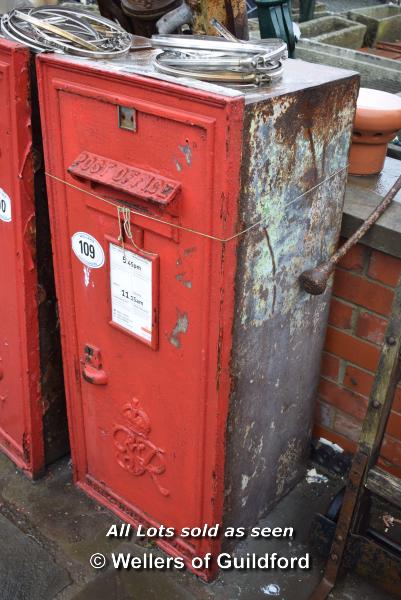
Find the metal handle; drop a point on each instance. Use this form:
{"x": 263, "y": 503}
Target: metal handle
{"x": 94, "y": 376}
{"x": 92, "y": 370}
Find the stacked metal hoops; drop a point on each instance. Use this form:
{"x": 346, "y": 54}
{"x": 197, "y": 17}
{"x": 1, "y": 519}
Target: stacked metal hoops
{"x": 66, "y": 30}
{"x": 220, "y": 59}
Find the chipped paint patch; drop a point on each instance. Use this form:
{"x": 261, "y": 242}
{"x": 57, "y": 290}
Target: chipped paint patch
{"x": 185, "y": 282}
{"x": 87, "y": 276}
{"x": 245, "y": 481}
{"x": 180, "y": 328}
{"x": 178, "y": 165}
{"x": 187, "y": 152}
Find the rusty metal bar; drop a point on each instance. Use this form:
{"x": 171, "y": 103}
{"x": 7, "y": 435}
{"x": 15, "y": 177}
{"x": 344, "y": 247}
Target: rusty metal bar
{"x": 314, "y": 281}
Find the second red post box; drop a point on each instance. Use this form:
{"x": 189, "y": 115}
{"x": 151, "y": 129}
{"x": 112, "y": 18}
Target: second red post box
{"x": 33, "y": 427}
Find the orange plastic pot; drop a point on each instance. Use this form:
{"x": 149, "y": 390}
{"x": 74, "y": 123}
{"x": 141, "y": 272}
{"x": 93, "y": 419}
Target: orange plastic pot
{"x": 377, "y": 120}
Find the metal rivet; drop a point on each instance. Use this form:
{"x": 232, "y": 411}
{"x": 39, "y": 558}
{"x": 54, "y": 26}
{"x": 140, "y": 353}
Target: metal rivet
{"x": 376, "y": 404}
{"x": 391, "y": 341}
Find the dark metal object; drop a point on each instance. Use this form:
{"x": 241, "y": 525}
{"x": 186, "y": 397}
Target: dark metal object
{"x": 369, "y": 445}
{"x": 314, "y": 281}
{"x": 384, "y": 485}
{"x": 144, "y": 15}
{"x": 306, "y": 10}
{"x": 343, "y": 526}
{"x": 149, "y": 10}
{"x": 275, "y": 21}
{"x": 111, "y": 9}
{"x": 364, "y": 556}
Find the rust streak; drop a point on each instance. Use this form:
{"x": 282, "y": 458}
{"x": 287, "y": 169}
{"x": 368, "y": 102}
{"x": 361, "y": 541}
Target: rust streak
{"x": 274, "y": 268}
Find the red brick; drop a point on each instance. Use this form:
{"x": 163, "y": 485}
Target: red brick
{"x": 371, "y": 327}
{"x": 347, "y": 426}
{"x": 332, "y": 436}
{"x": 384, "y": 268}
{"x": 347, "y": 401}
{"x": 340, "y": 314}
{"x": 358, "y": 380}
{"x": 391, "y": 450}
{"x": 363, "y": 292}
{"x": 394, "y": 470}
{"x": 397, "y": 400}
{"x": 354, "y": 260}
{"x": 394, "y": 425}
{"x": 354, "y": 350}
{"x": 324, "y": 414}
{"x": 330, "y": 366}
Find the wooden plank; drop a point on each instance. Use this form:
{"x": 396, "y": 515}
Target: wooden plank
{"x": 384, "y": 485}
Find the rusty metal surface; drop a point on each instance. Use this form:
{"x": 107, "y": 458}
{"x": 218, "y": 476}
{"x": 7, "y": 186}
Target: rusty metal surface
{"x": 291, "y": 144}
{"x": 232, "y": 14}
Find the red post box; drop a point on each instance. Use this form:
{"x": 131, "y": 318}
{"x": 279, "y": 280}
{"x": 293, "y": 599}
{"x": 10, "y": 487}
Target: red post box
{"x": 182, "y": 217}
{"x": 32, "y": 413}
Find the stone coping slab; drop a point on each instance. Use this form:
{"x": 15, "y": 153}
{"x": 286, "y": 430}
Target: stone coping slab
{"x": 334, "y": 30}
{"x": 376, "y": 72}
{"x": 383, "y": 22}
{"x": 362, "y": 196}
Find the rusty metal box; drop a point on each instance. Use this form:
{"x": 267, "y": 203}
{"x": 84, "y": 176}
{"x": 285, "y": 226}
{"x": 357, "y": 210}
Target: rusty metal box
{"x": 182, "y": 217}
{"x": 33, "y": 428}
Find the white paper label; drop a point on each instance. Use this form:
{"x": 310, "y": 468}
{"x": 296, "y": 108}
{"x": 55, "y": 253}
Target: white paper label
{"x": 131, "y": 291}
{"x": 5, "y": 207}
{"x": 88, "y": 250}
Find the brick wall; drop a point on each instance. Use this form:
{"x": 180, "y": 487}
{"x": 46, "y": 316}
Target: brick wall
{"x": 362, "y": 296}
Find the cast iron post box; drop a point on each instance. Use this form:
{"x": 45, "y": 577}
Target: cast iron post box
{"x": 182, "y": 217}
{"x": 33, "y": 429}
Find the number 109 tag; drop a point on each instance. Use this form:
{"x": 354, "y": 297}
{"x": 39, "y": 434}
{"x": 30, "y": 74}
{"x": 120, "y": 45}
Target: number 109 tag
{"x": 5, "y": 206}
{"x": 88, "y": 250}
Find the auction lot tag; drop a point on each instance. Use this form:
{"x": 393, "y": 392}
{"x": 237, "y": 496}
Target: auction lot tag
{"x": 88, "y": 250}
{"x": 5, "y": 206}
{"x": 131, "y": 291}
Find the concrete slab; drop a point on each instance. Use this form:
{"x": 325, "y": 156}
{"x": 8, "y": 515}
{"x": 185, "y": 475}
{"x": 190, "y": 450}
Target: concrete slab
{"x": 362, "y": 196}
{"x": 376, "y": 72}
{"x": 26, "y": 569}
{"x": 51, "y": 530}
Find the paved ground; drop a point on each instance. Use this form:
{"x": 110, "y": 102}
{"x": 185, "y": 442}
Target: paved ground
{"x": 49, "y": 530}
